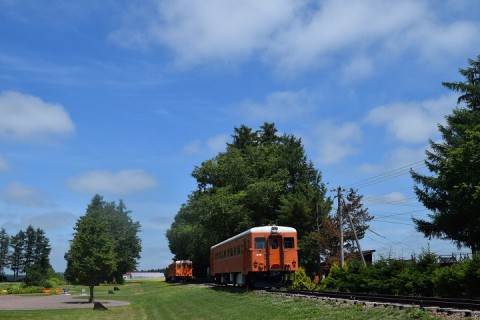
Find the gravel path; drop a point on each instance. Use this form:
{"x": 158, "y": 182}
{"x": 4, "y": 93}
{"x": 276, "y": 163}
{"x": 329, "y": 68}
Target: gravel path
{"x": 57, "y": 301}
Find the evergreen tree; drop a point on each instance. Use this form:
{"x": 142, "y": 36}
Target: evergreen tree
{"x": 262, "y": 178}
{"x": 353, "y": 207}
{"x": 110, "y": 237}
{"x": 91, "y": 257}
{"x": 29, "y": 248}
{"x": 127, "y": 243}
{"x": 16, "y": 258}
{"x": 452, "y": 192}
{"x": 4, "y": 249}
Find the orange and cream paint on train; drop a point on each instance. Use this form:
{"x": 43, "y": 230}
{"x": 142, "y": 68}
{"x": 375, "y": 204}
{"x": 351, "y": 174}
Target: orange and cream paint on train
{"x": 180, "y": 270}
{"x": 260, "y": 256}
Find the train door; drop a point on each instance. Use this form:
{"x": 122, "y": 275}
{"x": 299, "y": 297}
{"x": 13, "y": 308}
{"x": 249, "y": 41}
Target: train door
{"x": 275, "y": 253}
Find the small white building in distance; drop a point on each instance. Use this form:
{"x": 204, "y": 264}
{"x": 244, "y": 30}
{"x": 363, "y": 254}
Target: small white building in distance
{"x": 140, "y": 275}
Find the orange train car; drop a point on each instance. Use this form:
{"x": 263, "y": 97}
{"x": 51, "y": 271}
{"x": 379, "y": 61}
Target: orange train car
{"x": 260, "y": 256}
{"x": 180, "y": 270}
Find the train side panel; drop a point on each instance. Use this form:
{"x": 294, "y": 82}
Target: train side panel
{"x": 180, "y": 270}
{"x": 258, "y": 254}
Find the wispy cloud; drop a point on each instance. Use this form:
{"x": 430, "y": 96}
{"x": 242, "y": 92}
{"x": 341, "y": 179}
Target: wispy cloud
{"x": 412, "y": 122}
{"x": 212, "y": 145}
{"x": 49, "y": 221}
{"x": 334, "y": 142}
{"x": 296, "y": 36}
{"x": 28, "y": 118}
{"x": 397, "y": 157}
{"x": 220, "y": 31}
{"x": 117, "y": 183}
{"x": 22, "y": 195}
{"x": 3, "y": 164}
{"x": 278, "y": 106}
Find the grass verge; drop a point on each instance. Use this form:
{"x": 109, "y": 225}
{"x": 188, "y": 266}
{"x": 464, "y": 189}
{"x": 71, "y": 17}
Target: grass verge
{"x": 158, "y": 300}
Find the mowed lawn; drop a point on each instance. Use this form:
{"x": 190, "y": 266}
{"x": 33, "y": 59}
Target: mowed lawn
{"x": 154, "y": 299}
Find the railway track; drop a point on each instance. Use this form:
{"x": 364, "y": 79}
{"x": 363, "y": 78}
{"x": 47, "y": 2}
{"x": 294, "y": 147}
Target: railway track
{"x": 465, "y": 307}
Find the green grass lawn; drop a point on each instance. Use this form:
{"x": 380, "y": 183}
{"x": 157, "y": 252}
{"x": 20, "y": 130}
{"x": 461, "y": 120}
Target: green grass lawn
{"x": 152, "y": 299}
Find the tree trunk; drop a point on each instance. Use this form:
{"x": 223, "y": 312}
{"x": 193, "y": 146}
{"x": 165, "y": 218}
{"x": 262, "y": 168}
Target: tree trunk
{"x": 90, "y": 300}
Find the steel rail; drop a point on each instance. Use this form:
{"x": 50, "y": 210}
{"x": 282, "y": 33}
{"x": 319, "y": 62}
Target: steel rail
{"x": 448, "y": 303}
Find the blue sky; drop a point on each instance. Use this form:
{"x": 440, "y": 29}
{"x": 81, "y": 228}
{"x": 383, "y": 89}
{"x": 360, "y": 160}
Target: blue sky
{"x": 124, "y": 98}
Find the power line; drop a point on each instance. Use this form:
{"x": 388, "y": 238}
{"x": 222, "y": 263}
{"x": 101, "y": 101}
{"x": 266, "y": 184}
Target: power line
{"x": 387, "y": 175}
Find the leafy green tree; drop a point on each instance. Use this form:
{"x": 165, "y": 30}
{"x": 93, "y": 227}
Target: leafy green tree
{"x": 4, "y": 249}
{"x": 452, "y": 192}
{"x": 262, "y": 178}
{"x": 91, "y": 257}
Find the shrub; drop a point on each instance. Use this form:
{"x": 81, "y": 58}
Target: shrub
{"x": 448, "y": 281}
{"x": 472, "y": 276}
{"x": 301, "y": 281}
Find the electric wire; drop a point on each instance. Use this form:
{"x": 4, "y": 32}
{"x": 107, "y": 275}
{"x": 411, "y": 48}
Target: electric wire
{"x": 388, "y": 175}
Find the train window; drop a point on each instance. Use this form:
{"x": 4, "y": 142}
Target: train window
{"x": 289, "y": 243}
{"x": 274, "y": 243}
{"x": 260, "y": 243}
{"x": 178, "y": 266}
{"x": 241, "y": 249}
{"x": 238, "y": 249}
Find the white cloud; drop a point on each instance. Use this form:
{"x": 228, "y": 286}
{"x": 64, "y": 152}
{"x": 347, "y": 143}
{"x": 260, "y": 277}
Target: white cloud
{"x": 439, "y": 42}
{"x": 25, "y": 117}
{"x": 118, "y": 183}
{"x": 359, "y": 67}
{"x": 278, "y": 106}
{"x": 391, "y": 198}
{"x": 214, "y": 30}
{"x": 213, "y": 145}
{"x": 398, "y": 157}
{"x": 50, "y": 221}
{"x": 22, "y": 195}
{"x": 3, "y": 164}
{"x": 336, "y": 141}
{"x": 295, "y": 36}
{"x": 217, "y": 143}
{"x": 412, "y": 122}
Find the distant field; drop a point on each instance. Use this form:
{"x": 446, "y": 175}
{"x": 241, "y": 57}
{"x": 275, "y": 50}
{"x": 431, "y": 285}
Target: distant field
{"x": 154, "y": 299}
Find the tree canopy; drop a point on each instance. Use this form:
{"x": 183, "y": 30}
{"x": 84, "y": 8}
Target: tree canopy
{"x": 262, "y": 178}
{"x": 105, "y": 245}
{"x": 452, "y": 192}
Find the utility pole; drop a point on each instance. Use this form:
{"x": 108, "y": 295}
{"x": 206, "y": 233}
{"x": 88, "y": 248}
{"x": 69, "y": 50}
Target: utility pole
{"x": 340, "y": 222}
{"x": 356, "y": 239}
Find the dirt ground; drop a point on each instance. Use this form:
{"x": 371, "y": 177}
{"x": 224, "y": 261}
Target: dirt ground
{"x": 57, "y": 301}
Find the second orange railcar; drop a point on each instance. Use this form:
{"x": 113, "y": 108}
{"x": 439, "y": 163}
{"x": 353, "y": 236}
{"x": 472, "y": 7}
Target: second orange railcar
{"x": 180, "y": 270}
{"x": 260, "y": 256}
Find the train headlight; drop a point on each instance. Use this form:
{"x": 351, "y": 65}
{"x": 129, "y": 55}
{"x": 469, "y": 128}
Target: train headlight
{"x": 274, "y": 230}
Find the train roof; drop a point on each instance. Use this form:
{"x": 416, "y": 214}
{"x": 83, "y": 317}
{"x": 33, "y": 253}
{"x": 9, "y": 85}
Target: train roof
{"x": 263, "y": 229}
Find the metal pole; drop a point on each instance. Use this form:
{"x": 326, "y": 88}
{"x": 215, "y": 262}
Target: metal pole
{"x": 356, "y": 239}
{"x": 340, "y": 220}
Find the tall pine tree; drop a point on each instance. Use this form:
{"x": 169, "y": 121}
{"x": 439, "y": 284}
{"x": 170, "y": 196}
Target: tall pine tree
{"x": 452, "y": 192}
